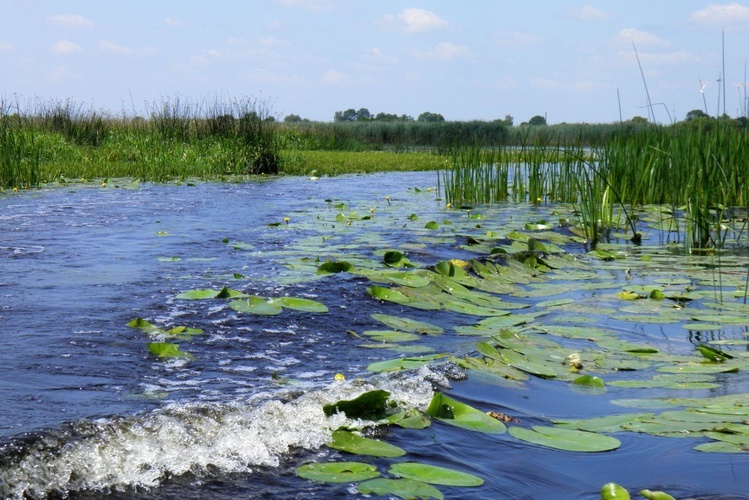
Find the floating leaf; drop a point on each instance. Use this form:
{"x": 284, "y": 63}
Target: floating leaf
{"x": 431, "y": 225}
{"x": 331, "y": 267}
{"x": 301, "y": 304}
{"x": 391, "y": 365}
{"x": 353, "y": 443}
{"x": 167, "y": 350}
{"x": 434, "y": 475}
{"x": 394, "y": 258}
{"x": 387, "y": 294}
{"x": 462, "y": 415}
{"x": 403, "y": 488}
{"x": 408, "y": 325}
{"x": 565, "y": 439}
{"x": 612, "y": 491}
{"x": 713, "y": 354}
{"x": 256, "y": 305}
{"x": 337, "y": 472}
{"x": 590, "y": 381}
{"x": 368, "y": 406}
{"x": 656, "y": 495}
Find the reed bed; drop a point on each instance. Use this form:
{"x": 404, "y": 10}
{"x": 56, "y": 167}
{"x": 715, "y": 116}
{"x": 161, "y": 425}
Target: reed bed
{"x": 700, "y": 172}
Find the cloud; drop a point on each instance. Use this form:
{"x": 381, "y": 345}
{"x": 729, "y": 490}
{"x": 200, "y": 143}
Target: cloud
{"x": 669, "y": 58}
{"x": 114, "y": 48}
{"x": 640, "y": 38}
{"x": 64, "y": 47}
{"x": 333, "y": 77}
{"x": 61, "y": 73}
{"x": 5, "y": 46}
{"x": 415, "y": 20}
{"x": 377, "y": 55}
{"x": 720, "y": 15}
{"x": 515, "y": 39}
{"x": 544, "y": 83}
{"x": 264, "y": 76}
{"x": 69, "y": 20}
{"x": 174, "y": 22}
{"x": 445, "y": 51}
{"x": 589, "y": 13}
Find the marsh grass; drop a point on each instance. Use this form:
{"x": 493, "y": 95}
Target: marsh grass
{"x": 700, "y": 172}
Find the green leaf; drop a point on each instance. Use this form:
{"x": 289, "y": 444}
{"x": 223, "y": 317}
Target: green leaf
{"x": 612, "y": 491}
{"x": 431, "y": 225}
{"x": 462, "y": 415}
{"x": 403, "y": 488}
{"x": 256, "y": 305}
{"x": 337, "y": 472}
{"x": 656, "y": 495}
{"x": 353, "y": 443}
{"x": 408, "y": 325}
{"x": 391, "y": 336}
{"x": 335, "y": 267}
{"x": 387, "y": 294}
{"x": 391, "y": 365}
{"x": 167, "y": 350}
{"x": 434, "y": 475}
{"x": 368, "y": 406}
{"x": 713, "y": 354}
{"x": 394, "y": 258}
{"x": 300, "y": 304}
{"x": 565, "y": 439}
{"x": 590, "y": 381}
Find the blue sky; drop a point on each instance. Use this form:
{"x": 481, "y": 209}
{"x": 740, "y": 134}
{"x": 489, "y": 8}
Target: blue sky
{"x": 573, "y": 61}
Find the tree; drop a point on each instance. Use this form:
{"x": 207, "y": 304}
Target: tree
{"x": 430, "y": 117}
{"x": 508, "y": 120}
{"x": 363, "y": 114}
{"x": 292, "y": 119}
{"x": 537, "y": 120}
{"x": 694, "y": 114}
{"x": 345, "y": 116}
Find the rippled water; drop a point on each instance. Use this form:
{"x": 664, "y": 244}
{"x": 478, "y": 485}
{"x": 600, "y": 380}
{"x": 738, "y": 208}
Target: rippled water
{"x": 87, "y": 413}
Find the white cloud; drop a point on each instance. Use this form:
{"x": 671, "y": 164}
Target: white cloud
{"x": 727, "y": 14}
{"x": 445, "y": 51}
{"x": 64, "y": 47}
{"x": 171, "y": 21}
{"x": 5, "y": 46}
{"x": 640, "y": 38}
{"x": 415, "y": 20}
{"x": 62, "y": 73}
{"x": 69, "y": 20}
{"x": 271, "y": 41}
{"x": 377, "y": 55}
{"x": 333, "y": 77}
{"x": 114, "y": 48}
{"x": 264, "y": 76}
{"x": 589, "y": 13}
{"x": 515, "y": 39}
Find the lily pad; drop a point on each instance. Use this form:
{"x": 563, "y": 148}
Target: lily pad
{"x": 256, "y": 305}
{"x": 434, "y": 475}
{"x": 167, "y": 350}
{"x": 462, "y": 415}
{"x": 301, "y": 304}
{"x": 408, "y": 325}
{"x": 353, "y": 443}
{"x": 565, "y": 439}
{"x": 337, "y": 472}
{"x": 403, "y": 488}
{"x": 368, "y": 406}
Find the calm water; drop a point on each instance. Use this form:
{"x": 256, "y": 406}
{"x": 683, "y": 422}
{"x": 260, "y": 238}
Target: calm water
{"x": 87, "y": 413}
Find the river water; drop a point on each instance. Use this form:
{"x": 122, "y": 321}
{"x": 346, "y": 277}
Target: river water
{"x": 87, "y": 412}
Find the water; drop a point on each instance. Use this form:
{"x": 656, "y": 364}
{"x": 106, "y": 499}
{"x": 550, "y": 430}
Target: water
{"x": 88, "y": 413}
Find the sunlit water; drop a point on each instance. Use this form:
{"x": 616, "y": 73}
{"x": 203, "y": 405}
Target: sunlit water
{"x": 87, "y": 412}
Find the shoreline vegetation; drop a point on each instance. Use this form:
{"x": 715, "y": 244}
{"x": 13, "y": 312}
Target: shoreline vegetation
{"x": 696, "y": 169}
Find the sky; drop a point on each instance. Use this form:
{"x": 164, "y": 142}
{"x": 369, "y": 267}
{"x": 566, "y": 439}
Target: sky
{"x": 570, "y": 61}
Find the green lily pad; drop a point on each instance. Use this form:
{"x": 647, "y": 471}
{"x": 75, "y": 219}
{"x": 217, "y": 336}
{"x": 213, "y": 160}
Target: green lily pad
{"x": 462, "y": 415}
{"x": 387, "y": 294}
{"x": 257, "y": 305}
{"x": 590, "y": 381}
{"x": 392, "y": 365}
{"x": 300, "y": 304}
{"x": 408, "y": 325}
{"x": 612, "y": 491}
{"x": 335, "y": 267}
{"x": 403, "y": 488}
{"x": 391, "y": 336}
{"x": 565, "y": 439}
{"x": 337, "y": 472}
{"x": 434, "y": 475}
{"x": 224, "y": 293}
{"x": 368, "y": 406}
{"x": 167, "y": 350}
{"x": 353, "y": 443}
